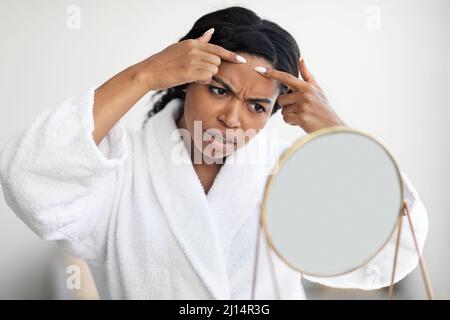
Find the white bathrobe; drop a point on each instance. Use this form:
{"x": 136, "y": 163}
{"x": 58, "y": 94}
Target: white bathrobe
{"x": 135, "y": 210}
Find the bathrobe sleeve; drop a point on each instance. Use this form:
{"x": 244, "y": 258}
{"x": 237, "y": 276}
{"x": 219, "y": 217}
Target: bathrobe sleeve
{"x": 377, "y": 272}
{"x": 57, "y": 180}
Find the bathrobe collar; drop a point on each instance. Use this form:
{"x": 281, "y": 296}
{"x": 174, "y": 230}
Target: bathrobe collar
{"x": 204, "y": 225}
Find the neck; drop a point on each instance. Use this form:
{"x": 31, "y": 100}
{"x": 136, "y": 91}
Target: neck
{"x": 205, "y": 172}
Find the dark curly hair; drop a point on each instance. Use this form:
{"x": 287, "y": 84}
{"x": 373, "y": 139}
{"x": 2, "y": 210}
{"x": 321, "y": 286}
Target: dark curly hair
{"x": 240, "y": 29}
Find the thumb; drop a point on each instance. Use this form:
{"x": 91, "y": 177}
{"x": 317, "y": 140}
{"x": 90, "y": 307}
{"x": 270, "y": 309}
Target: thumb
{"x": 206, "y": 36}
{"x": 306, "y": 73}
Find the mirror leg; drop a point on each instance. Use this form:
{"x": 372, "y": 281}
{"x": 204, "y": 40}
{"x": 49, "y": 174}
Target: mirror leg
{"x": 425, "y": 276}
{"x": 397, "y": 244}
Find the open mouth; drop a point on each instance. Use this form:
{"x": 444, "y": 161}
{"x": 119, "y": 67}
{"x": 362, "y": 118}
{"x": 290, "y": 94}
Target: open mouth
{"x": 220, "y": 140}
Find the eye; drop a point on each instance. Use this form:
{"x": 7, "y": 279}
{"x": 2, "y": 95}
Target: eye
{"x": 257, "y": 107}
{"x": 218, "y": 91}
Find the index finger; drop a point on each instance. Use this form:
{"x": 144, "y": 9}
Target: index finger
{"x": 287, "y": 79}
{"x": 224, "y": 53}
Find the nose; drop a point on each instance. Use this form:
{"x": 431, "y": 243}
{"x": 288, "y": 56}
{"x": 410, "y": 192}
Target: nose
{"x": 230, "y": 115}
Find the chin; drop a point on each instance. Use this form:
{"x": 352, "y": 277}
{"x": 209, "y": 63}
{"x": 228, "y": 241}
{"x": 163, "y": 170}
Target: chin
{"x": 216, "y": 155}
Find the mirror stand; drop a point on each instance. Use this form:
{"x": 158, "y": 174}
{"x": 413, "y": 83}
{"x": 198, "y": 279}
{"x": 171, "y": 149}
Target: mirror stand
{"x": 425, "y": 276}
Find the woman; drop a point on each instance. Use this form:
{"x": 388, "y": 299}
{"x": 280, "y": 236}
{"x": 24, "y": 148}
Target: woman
{"x": 164, "y": 213}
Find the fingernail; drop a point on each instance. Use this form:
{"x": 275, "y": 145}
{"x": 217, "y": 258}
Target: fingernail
{"x": 261, "y": 69}
{"x": 209, "y": 31}
{"x": 241, "y": 59}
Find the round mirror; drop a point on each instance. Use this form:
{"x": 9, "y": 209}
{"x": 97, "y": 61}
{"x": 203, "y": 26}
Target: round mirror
{"x": 332, "y": 202}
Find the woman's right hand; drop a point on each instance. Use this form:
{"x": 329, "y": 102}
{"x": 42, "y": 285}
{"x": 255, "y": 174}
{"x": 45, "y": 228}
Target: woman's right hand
{"x": 191, "y": 60}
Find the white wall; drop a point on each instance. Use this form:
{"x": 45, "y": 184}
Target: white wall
{"x": 389, "y": 78}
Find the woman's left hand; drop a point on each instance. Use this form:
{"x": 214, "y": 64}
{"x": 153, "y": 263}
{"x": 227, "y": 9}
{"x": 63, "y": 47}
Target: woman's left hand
{"x": 305, "y": 104}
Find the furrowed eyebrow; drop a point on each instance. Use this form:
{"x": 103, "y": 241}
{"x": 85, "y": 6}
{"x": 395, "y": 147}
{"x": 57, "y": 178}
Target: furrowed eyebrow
{"x": 229, "y": 88}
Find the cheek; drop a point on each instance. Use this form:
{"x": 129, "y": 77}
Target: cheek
{"x": 252, "y": 125}
{"x": 256, "y": 122}
{"x": 199, "y": 106}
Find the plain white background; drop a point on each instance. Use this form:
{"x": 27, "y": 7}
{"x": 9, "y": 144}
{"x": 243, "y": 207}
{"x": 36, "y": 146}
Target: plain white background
{"x": 383, "y": 64}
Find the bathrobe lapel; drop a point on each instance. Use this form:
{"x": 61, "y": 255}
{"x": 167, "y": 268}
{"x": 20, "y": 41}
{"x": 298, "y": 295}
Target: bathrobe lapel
{"x": 183, "y": 200}
{"x": 239, "y": 186}
{"x": 204, "y": 225}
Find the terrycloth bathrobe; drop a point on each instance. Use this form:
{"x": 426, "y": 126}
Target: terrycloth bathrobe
{"x": 135, "y": 210}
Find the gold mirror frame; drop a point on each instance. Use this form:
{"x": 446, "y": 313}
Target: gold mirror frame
{"x": 402, "y": 211}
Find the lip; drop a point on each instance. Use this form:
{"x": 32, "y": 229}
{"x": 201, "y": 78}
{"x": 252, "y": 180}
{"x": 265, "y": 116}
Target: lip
{"x": 229, "y": 139}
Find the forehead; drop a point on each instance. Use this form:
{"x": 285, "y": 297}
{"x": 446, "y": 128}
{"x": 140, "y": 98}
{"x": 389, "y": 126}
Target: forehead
{"x": 243, "y": 77}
